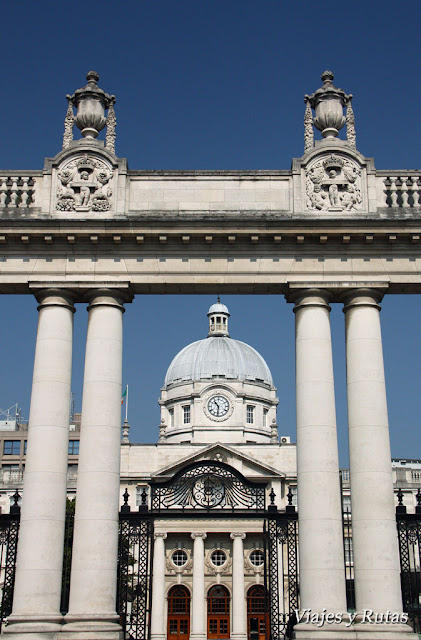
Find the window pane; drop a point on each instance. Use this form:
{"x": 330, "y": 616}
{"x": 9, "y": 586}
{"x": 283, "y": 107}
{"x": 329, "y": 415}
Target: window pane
{"x": 11, "y": 447}
{"x": 73, "y": 447}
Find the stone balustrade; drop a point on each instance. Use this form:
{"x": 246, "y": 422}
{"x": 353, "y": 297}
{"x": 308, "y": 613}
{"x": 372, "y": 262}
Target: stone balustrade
{"x": 402, "y": 189}
{"x": 17, "y": 190}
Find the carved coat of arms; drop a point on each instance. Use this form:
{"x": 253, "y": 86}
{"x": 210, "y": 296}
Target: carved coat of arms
{"x": 333, "y": 183}
{"x": 84, "y": 185}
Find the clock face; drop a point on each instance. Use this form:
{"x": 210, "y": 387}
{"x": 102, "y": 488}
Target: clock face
{"x": 218, "y": 406}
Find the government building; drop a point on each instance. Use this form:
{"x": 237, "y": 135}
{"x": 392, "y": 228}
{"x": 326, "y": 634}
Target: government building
{"x": 223, "y": 529}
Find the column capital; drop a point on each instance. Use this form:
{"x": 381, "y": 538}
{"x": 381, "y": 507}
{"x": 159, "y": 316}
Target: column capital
{"x": 108, "y": 297}
{"x": 199, "y": 535}
{"x": 54, "y": 297}
{"x": 362, "y": 297}
{"x": 237, "y": 535}
{"x": 309, "y": 297}
{"x": 160, "y": 535}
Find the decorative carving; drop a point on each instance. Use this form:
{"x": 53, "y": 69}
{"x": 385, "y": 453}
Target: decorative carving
{"x": 68, "y": 125}
{"x": 350, "y": 125}
{"x": 111, "y": 125}
{"x": 308, "y": 127}
{"x": 84, "y": 185}
{"x": 333, "y": 183}
{"x": 215, "y": 570}
{"x": 208, "y": 485}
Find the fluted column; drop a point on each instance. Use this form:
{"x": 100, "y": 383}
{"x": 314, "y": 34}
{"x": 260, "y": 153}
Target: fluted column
{"x": 239, "y": 613}
{"x": 158, "y": 588}
{"x": 198, "y": 619}
{"x": 92, "y": 604}
{"x": 321, "y": 556}
{"x": 376, "y": 555}
{"x": 36, "y": 604}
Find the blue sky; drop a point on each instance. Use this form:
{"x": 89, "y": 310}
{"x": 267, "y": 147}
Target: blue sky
{"x": 215, "y": 84}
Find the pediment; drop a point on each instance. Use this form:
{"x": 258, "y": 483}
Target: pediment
{"x": 250, "y": 467}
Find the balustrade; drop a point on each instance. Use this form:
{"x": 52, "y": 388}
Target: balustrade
{"x": 17, "y": 191}
{"x": 402, "y": 191}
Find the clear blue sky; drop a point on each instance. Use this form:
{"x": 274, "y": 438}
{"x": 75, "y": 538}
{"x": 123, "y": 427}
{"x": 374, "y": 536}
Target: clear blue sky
{"x": 215, "y": 84}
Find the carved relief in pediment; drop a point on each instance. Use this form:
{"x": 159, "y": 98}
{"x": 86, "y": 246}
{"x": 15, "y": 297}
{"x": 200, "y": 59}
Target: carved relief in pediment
{"x": 84, "y": 184}
{"x": 333, "y": 183}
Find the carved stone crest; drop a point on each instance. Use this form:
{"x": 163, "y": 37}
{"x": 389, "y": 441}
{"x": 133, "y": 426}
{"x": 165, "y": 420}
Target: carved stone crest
{"x": 84, "y": 185}
{"x": 333, "y": 183}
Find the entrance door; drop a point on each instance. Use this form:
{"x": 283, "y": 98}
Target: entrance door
{"x": 257, "y": 618}
{"x": 218, "y": 613}
{"x": 178, "y": 614}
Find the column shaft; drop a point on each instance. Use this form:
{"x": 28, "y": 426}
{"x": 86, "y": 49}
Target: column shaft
{"x": 239, "y": 613}
{"x": 376, "y": 556}
{"x": 322, "y": 574}
{"x": 198, "y": 610}
{"x": 158, "y": 588}
{"x": 94, "y": 560}
{"x": 36, "y": 604}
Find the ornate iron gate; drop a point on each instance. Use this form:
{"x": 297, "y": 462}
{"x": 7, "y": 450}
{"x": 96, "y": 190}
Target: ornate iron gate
{"x": 282, "y": 571}
{"x": 9, "y": 532}
{"x": 134, "y": 585}
{"x": 409, "y": 538}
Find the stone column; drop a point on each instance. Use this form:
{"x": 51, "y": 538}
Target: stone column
{"x": 158, "y": 588}
{"x": 92, "y": 605}
{"x": 321, "y": 555}
{"x": 239, "y": 613}
{"x": 376, "y": 555}
{"x": 36, "y": 603}
{"x": 198, "y": 609}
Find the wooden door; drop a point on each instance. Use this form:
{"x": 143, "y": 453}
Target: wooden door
{"x": 218, "y": 613}
{"x": 178, "y": 627}
{"x": 257, "y": 618}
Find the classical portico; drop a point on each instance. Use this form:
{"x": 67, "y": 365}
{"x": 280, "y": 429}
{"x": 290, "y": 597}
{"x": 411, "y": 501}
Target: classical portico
{"x": 333, "y": 230}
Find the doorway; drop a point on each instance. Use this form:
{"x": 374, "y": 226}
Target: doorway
{"x": 257, "y": 618}
{"x": 178, "y": 613}
{"x": 218, "y": 613}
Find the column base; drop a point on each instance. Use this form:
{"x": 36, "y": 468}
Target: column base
{"x": 308, "y": 631}
{"x": 33, "y": 623}
{"x": 91, "y": 627}
{"x": 198, "y": 636}
{"x": 238, "y": 636}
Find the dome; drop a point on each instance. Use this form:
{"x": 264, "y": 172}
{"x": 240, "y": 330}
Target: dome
{"x": 218, "y": 307}
{"x": 218, "y": 356}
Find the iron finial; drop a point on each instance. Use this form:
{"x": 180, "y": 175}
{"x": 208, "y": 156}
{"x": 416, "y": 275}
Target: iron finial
{"x": 272, "y": 496}
{"x": 400, "y": 497}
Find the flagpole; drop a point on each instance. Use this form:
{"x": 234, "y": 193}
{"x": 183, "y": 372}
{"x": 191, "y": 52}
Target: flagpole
{"x": 127, "y": 399}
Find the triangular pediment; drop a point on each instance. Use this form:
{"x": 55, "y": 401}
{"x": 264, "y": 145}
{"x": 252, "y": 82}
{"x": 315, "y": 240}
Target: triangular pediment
{"x": 250, "y": 467}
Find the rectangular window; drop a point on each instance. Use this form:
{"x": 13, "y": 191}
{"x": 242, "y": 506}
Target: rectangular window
{"x": 250, "y": 414}
{"x": 346, "y": 505}
{"x": 11, "y": 447}
{"x": 171, "y": 412}
{"x": 73, "y": 447}
{"x": 10, "y": 472}
{"x": 25, "y": 446}
{"x": 265, "y": 417}
{"x": 349, "y": 552}
{"x": 186, "y": 414}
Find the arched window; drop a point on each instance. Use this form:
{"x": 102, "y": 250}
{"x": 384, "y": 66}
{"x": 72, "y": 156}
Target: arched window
{"x": 218, "y": 612}
{"x": 178, "y": 613}
{"x": 257, "y": 618}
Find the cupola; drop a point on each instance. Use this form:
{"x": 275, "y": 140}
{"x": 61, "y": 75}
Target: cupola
{"x": 218, "y": 315}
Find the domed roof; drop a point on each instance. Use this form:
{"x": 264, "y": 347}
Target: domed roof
{"x": 218, "y": 356}
{"x": 218, "y": 307}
